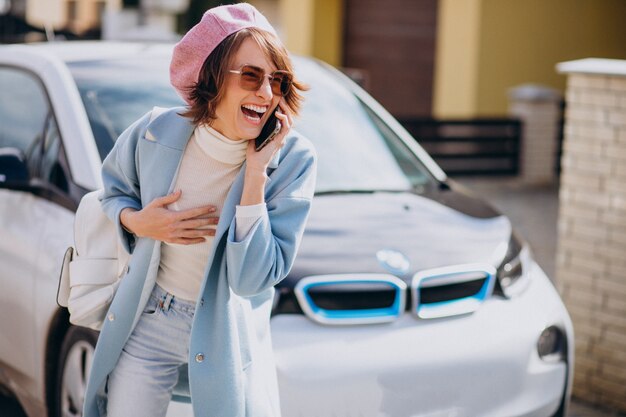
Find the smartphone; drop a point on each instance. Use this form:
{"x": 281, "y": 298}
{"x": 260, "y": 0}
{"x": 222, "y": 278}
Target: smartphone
{"x": 269, "y": 131}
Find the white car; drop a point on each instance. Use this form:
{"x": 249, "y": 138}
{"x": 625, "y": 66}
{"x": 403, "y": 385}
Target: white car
{"x": 409, "y": 296}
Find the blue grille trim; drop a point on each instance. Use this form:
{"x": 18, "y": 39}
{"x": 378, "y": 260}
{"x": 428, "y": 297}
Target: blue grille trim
{"x": 360, "y": 316}
{"x": 456, "y": 274}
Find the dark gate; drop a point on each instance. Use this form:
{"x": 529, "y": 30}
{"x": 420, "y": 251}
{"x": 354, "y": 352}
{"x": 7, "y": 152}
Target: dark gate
{"x": 469, "y": 147}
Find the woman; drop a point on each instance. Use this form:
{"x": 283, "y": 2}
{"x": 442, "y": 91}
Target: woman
{"x": 198, "y": 296}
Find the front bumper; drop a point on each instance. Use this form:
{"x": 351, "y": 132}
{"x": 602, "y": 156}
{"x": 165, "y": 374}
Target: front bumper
{"x": 482, "y": 364}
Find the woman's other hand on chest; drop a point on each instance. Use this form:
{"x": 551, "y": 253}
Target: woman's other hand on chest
{"x": 157, "y": 222}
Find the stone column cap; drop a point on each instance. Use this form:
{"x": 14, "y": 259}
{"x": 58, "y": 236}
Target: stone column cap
{"x": 601, "y": 66}
{"x": 534, "y": 92}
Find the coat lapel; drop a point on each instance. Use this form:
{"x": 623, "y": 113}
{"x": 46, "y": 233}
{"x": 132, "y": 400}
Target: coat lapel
{"x": 171, "y": 129}
{"x": 165, "y": 141}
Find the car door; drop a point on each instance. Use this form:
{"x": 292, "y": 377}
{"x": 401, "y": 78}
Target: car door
{"x": 35, "y": 222}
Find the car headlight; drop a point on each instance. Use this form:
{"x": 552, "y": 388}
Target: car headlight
{"x": 512, "y": 273}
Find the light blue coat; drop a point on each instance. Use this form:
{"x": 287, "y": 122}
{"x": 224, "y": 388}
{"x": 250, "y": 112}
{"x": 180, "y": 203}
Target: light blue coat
{"x": 231, "y": 324}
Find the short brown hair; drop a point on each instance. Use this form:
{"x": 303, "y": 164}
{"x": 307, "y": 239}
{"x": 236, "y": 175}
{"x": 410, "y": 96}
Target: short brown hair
{"x": 208, "y": 92}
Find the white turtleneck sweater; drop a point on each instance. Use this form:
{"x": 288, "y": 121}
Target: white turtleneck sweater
{"x": 208, "y": 168}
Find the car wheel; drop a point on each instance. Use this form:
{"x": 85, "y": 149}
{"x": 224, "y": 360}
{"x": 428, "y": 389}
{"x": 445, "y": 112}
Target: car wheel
{"x": 73, "y": 371}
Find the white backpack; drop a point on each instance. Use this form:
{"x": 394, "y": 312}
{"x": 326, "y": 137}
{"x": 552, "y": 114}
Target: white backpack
{"x": 93, "y": 267}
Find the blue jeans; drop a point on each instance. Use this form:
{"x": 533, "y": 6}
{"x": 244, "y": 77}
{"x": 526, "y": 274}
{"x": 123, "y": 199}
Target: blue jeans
{"x": 147, "y": 371}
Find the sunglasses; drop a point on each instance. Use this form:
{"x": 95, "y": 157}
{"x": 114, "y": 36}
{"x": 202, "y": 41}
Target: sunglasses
{"x": 251, "y": 79}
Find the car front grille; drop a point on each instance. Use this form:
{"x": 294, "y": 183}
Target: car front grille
{"x": 451, "y": 290}
{"x": 351, "y": 298}
{"x": 378, "y": 298}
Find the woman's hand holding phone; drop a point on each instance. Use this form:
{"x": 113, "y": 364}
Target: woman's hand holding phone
{"x": 259, "y": 160}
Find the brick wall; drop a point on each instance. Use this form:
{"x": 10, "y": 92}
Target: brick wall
{"x": 591, "y": 255}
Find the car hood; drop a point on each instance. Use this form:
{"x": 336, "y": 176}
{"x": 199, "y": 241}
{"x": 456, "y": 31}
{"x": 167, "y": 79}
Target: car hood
{"x": 344, "y": 233}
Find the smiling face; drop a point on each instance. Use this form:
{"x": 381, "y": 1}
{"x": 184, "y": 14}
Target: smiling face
{"x": 240, "y": 113}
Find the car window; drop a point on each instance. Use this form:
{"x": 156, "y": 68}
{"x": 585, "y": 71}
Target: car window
{"x": 116, "y": 93}
{"x": 50, "y": 167}
{"x": 23, "y": 112}
{"x": 356, "y": 149}
{"x": 28, "y": 124}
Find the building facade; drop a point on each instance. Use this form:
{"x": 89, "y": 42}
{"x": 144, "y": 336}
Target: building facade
{"x": 451, "y": 58}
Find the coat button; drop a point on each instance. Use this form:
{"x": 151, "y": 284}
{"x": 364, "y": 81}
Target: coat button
{"x": 200, "y": 357}
{"x": 111, "y": 317}
{"x": 201, "y": 302}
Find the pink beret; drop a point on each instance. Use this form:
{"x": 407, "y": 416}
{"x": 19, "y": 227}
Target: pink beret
{"x": 197, "y": 44}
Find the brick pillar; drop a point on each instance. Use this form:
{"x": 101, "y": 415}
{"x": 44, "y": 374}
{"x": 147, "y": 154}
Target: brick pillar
{"x": 591, "y": 255}
{"x": 539, "y": 108}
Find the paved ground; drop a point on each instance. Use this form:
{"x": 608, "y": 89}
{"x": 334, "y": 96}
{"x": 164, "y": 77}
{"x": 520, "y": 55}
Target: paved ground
{"x": 10, "y": 408}
{"x": 579, "y": 409}
{"x": 534, "y": 213}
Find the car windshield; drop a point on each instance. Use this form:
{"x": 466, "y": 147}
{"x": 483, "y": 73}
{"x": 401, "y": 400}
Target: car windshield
{"x": 357, "y": 151}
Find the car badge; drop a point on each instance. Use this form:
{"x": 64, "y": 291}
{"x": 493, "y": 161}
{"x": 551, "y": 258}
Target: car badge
{"x": 393, "y": 261}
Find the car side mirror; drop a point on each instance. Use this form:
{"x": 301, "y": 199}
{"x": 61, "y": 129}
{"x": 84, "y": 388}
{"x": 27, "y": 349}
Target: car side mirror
{"x": 13, "y": 168}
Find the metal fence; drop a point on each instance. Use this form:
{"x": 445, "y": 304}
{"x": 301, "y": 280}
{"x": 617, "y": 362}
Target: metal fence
{"x": 472, "y": 146}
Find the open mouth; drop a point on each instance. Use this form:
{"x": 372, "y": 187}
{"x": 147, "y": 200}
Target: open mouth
{"x": 253, "y": 113}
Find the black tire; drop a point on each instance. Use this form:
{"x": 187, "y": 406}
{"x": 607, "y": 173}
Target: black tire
{"x": 73, "y": 369}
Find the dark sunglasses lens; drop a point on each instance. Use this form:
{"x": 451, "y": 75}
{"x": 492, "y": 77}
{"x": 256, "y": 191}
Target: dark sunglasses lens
{"x": 285, "y": 86}
{"x": 251, "y": 77}
{"x": 281, "y": 83}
